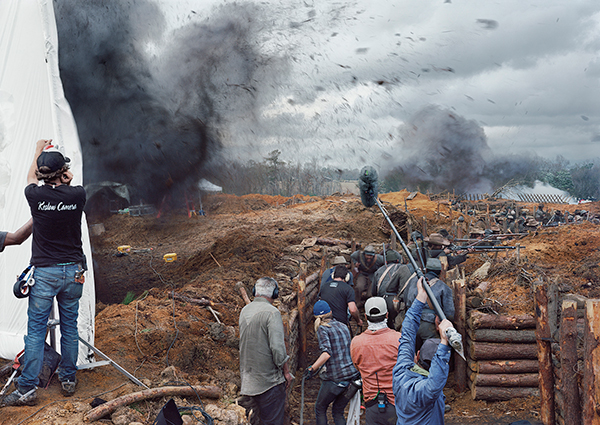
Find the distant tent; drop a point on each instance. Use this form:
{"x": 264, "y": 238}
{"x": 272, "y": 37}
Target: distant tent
{"x": 207, "y": 186}
{"x": 32, "y": 107}
{"x": 105, "y": 198}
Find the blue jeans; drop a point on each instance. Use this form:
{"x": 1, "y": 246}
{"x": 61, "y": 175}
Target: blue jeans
{"x": 50, "y": 282}
{"x": 331, "y": 392}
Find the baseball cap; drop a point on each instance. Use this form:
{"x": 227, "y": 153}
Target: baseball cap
{"x": 428, "y": 349}
{"x": 375, "y": 307}
{"x": 321, "y": 307}
{"x": 51, "y": 159}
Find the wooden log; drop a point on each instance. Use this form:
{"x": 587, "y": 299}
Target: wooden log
{"x": 107, "y": 408}
{"x": 496, "y": 351}
{"x": 569, "y": 387}
{"x": 324, "y": 264}
{"x": 481, "y": 289}
{"x": 302, "y": 346}
{"x": 482, "y": 320}
{"x": 544, "y": 340}
{"x": 504, "y": 379}
{"x": 460, "y": 313}
{"x": 503, "y": 335}
{"x": 502, "y": 393}
{"x": 591, "y": 356}
{"x": 504, "y": 366}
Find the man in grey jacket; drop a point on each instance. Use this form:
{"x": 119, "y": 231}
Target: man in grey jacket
{"x": 263, "y": 357}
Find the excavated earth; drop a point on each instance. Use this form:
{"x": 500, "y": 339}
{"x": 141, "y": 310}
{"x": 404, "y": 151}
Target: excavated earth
{"x": 162, "y": 341}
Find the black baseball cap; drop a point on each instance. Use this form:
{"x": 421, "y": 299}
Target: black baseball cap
{"x": 51, "y": 161}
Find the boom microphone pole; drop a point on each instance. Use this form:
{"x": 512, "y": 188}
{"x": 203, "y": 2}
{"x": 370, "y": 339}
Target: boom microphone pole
{"x": 369, "y": 186}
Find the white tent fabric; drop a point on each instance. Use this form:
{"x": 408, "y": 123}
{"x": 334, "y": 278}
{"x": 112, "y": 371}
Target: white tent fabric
{"x": 32, "y": 107}
{"x": 207, "y": 186}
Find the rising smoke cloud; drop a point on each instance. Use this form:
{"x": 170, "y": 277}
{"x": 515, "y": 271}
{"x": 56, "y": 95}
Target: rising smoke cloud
{"x": 441, "y": 151}
{"x": 149, "y": 103}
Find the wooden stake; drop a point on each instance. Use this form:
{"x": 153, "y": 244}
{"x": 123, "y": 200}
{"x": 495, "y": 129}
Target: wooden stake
{"x": 544, "y": 343}
{"x": 302, "y": 315}
{"x": 568, "y": 363}
{"x": 591, "y": 374}
{"x": 460, "y": 308}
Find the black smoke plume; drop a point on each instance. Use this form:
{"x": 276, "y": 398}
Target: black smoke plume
{"x": 148, "y": 103}
{"x": 442, "y": 151}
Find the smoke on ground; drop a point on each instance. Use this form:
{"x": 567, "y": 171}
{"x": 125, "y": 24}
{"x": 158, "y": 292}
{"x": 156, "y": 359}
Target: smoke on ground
{"x": 147, "y": 100}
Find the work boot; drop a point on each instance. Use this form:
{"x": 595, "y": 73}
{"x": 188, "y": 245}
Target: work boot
{"x": 67, "y": 387}
{"x": 17, "y": 398}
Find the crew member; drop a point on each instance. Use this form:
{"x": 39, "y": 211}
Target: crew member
{"x": 374, "y": 354}
{"x": 338, "y": 260}
{"x": 17, "y": 237}
{"x": 263, "y": 358}
{"x": 419, "y": 379}
{"x": 365, "y": 263}
{"x": 57, "y": 254}
{"x": 340, "y": 296}
{"x": 336, "y": 378}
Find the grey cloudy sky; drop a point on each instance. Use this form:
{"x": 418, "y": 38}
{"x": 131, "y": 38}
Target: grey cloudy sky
{"x": 354, "y": 72}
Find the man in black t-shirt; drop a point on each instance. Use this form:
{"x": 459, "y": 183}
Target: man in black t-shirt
{"x": 57, "y": 255}
{"x": 340, "y": 296}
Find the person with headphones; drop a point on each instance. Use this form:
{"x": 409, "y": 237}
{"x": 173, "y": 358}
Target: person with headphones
{"x": 264, "y": 366}
{"x": 340, "y": 296}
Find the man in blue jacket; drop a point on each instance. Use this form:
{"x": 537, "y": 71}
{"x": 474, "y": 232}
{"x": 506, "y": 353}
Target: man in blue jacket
{"x": 419, "y": 379}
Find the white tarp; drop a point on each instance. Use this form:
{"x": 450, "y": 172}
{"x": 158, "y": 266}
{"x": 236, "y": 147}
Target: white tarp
{"x": 207, "y": 186}
{"x": 32, "y": 107}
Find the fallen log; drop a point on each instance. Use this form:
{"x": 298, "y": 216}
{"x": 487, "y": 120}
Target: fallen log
{"x": 504, "y": 366}
{"x": 481, "y": 289}
{"x": 503, "y": 335}
{"x": 481, "y": 320}
{"x": 502, "y": 393}
{"x": 504, "y": 380}
{"x": 496, "y": 351}
{"x": 209, "y": 391}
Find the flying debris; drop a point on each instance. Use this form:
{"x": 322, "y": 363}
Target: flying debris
{"x": 488, "y": 24}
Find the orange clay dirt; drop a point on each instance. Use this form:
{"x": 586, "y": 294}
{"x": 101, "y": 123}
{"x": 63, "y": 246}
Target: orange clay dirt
{"x": 242, "y": 239}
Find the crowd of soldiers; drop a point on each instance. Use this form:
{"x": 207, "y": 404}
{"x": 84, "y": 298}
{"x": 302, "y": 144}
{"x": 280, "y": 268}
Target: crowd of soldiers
{"x": 508, "y": 218}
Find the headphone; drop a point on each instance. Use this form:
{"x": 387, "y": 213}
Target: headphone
{"x": 275, "y": 291}
{"x": 347, "y": 278}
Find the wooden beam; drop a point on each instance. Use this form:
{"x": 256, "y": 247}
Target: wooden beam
{"x": 460, "y": 312}
{"x": 543, "y": 334}
{"x": 591, "y": 356}
{"x": 568, "y": 363}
